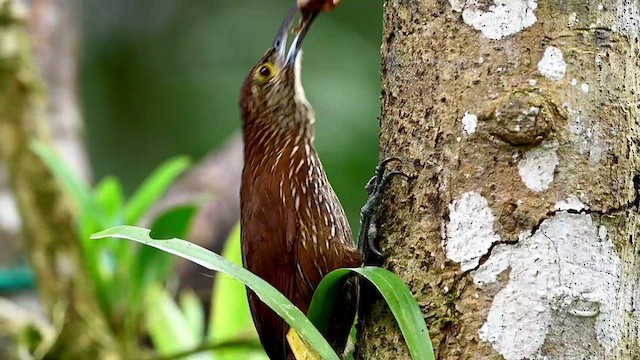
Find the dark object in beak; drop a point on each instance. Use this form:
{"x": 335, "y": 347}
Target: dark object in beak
{"x": 280, "y": 42}
{"x": 297, "y": 42}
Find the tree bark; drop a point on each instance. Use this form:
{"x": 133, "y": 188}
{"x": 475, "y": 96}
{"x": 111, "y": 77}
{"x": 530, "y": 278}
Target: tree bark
{"x": 53, "y": 26}
{"x": 519, "y": 234}
{"x": 48, "y": 229}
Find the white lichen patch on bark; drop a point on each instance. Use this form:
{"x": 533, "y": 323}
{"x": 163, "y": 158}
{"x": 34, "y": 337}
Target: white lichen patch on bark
{"x": 496, "y": 264}
{"x": 457, "y": 5}
{"x": 537, "y": 167}
{"x": 469, "y": 122}
{"x": 499, "y": 18}
{"x": 571, "y": 203}
{"x": 573, "y": 19}
{"x": 9, "y": 216}
{"x": 470, "y": 230}
{"x": 628, "y": 18}
{"x": 552, "y": 65}
{"x": 586, "y": 133}
{"x": 565, "y": 271}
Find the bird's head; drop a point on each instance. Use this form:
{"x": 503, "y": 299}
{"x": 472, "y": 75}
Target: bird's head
{"x": 272, "y": 92}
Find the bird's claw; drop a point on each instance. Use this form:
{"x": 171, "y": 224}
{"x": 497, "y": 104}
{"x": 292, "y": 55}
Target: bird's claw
{"x": 375, "y": 188}
{"x": 376, "y": 180}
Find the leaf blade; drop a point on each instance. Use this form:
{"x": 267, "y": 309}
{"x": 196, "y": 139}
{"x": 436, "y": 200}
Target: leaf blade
{"x": 153, "y": 187}
{"x": 267, "y": 293}
{"x": 397, "y": 296}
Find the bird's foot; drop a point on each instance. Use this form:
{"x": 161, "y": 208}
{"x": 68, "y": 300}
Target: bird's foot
{"x": 368, "y": 219}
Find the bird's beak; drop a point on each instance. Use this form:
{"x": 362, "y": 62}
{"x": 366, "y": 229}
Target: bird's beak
{"x": 280, "y": 42}
{"x": 307, "y": 20}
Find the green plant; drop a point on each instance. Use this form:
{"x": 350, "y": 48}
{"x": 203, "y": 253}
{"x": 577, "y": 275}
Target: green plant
{"x": 230, "y": 316}
{"x": 178, "y": 330}
{"x": 393, "y": 290}
{"x": 126, "y": 277}
{"x": 129, "y": 278}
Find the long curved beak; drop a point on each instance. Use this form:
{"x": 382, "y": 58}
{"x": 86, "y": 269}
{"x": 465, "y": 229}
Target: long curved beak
{"x": 280, "y": 42}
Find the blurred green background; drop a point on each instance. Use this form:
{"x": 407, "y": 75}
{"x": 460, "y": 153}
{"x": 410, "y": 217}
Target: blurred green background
{"x": 161, "y": 78}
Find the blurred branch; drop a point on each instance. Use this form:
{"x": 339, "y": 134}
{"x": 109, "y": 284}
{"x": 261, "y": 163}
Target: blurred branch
{"x": 16, "y": 320}
{"x": 53, "y": 26}
{"x": 48, "y": 230}
{"x": 9, "y": 223}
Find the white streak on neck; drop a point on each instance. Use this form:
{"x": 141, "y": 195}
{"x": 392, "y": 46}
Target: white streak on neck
{"x": 297, "y": 74}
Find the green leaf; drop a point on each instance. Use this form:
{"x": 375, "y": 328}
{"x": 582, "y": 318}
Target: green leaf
{"x": 394, "y": 291}
{"x": 153, "y": 187}
{"x": 79, "y": 191}
{"x": 91, "y": 216}
{"x": 230, "y": 315}
{"x": 110, "y": 197}
{"x": 267, "y": 293}
{"x": 174, "y": 222}
{"x": 193, "y": 313}
{"x": 153, "y": 265}
{"x": 168, "y": 328}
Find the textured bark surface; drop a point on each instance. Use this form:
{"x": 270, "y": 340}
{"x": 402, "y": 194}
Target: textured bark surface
{"x": 519, "y": 234}
{"x": 53, "y": 26}
{"x": 48, "y": 230}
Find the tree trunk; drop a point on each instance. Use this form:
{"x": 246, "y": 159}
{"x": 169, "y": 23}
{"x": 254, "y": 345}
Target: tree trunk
{"x": 53, "y": 26}
{"x": 80, "y": 329}
{"x": 519, "y": 234}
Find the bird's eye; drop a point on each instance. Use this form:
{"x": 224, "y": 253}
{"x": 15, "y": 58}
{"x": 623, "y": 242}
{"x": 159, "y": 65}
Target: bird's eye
{"x": 265, "y": 72}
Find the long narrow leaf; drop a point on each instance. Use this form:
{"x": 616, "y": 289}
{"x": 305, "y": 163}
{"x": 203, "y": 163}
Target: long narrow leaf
{"x": 267, "y": 293}
{"x": 394, "y": 291}
{"x": 110, "y": 197}
{"x": 230, "y": 314}
{"x": 80, "y": 192}
{"x": 153, "y": 188}
{"x": 193, "y": 313}
{"x": 168, "y": 328}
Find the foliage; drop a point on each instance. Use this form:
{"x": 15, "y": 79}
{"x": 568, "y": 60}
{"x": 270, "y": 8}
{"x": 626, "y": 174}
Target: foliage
{"x": 130, "y": 278}
{"x": 397, "y": 296}
{"x": 175, "y": 327}
{"x": 394, "y": 291}
{"x": 127, "y": 278}
{"x": 230, "y": 316}
{"x": 178, "y": 330}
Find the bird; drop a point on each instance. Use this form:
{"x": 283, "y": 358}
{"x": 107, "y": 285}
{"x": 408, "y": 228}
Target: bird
{"x": 294, "y": 229}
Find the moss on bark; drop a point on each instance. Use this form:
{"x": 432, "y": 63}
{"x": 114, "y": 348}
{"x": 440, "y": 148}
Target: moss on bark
{"x": 48, "y": 227}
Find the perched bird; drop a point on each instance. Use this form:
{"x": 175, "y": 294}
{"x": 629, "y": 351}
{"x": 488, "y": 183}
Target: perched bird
{"x": 294, "y": 229}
